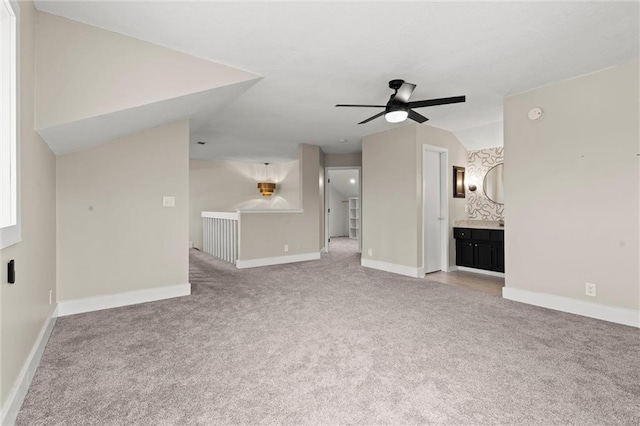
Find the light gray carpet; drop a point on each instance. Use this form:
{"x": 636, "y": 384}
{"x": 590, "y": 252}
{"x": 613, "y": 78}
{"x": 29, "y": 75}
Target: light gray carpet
{"x": 329, "y": 342}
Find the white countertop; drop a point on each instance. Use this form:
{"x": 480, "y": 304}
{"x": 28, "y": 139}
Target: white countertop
{"x": 478, "y": 224}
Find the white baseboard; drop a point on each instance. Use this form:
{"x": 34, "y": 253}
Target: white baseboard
{"x": 97, "y": 303}
{"x": 574, "y": 306}
{"x": 19, "y": 390}
{"x": 277, "y": 260}
{"x": 393, "y": 267}
{"x": 477, "y": 271}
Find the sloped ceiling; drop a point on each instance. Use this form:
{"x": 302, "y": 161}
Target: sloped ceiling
{"x": 87, "y": 132}
{"x": 95, "y": 85}
{"x": 314, "y": 55}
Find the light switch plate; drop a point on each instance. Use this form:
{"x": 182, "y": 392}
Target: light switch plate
{"x": 168, "y": 201}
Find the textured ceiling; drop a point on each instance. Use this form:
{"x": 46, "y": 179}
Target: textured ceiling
{"x": 314, "y": 55}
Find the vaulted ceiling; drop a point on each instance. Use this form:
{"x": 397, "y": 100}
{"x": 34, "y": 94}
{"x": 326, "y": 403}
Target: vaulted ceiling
{"x": 314, "y": 55}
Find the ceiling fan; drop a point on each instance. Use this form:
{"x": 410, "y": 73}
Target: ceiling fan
{"x": 398, "y": 108}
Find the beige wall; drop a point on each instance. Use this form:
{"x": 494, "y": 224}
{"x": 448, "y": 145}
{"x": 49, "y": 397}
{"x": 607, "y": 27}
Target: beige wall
{"x": 223, "y": 186}
{"x": 265, "y": 234}
{"x": 113, "y": 233}
{"x": 100, "y": 71}
{"x": 343, "y": 160}
{"x": 390, "y": 196}
{"x": 571, "y": 188}
{"x": 392, "y": 192}
{"x": 25, "y": 304}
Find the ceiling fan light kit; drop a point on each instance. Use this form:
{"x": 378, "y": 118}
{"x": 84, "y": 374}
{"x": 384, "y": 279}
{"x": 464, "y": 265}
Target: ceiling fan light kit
{"x": 398, "y": 108}
{"x": 397, "y": 116}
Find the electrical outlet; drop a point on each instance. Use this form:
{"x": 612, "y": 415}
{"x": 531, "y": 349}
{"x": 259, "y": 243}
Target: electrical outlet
{"x": 370, "y": 252}
{"x": 168, "y": 201}
{"x": 286, "y": 248}
{"x": 590, "y": 289}
{"x": 50, "y": 297}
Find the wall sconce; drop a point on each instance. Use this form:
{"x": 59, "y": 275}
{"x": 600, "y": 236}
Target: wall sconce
{"x": 266, "y": 187}
{"x": 458, "y": 182}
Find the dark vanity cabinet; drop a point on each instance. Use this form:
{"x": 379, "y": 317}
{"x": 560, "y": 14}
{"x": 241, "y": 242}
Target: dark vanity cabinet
{"x": 480, "y": 248}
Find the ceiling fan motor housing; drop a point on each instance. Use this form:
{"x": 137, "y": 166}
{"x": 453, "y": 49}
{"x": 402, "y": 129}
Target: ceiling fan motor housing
{"x": 396, "y": 106}
{"x": 396, "y": 84}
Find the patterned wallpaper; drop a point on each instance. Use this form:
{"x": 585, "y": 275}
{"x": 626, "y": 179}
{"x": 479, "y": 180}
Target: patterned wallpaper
{"x": 479, "y": 207}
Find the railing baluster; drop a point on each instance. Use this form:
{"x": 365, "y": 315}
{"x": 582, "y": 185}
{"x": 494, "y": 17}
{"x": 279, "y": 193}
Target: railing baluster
{"x": 235, "y": 241}
{"x": 220, "y": 235}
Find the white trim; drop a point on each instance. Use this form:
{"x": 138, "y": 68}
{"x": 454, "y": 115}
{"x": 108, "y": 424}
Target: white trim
{"x": 220, "y": 215}
{"x": 624, "y": 316}
{"x": 444, "y": 204}
{"x": 12, "y": 234}
{"x": 97, "y": 303}
{"x": 277, "y": 260}
{"x": 478, "y": 271}
{"x": 271, "y": 211}
{"x": 19, "y": 390}
{"x": 327, "y": 201}
{"x": 408, "y": 271}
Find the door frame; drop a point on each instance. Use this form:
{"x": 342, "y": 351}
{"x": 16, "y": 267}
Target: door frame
{"x": 444, "y": 205}
{"x": 326, "y": 202}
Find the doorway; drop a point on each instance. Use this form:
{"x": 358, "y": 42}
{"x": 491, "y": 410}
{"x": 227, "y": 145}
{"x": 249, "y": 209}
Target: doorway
{"x": 343, "y": 209}
{"x": 435, "y": 217}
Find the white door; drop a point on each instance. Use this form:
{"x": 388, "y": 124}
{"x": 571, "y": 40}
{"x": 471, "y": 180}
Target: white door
{"x": 431, "y": 194}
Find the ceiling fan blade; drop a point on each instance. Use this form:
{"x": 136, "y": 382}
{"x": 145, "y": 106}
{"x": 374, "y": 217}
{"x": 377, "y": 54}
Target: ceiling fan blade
{"x": 380, "y": 114}
{"x": 417, "y": 117}
{"x": 434, "y": 102}
{"x": 362, "y": 106}
{"x": 404, "y": 92}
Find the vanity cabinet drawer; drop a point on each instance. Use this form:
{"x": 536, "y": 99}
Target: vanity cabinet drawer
{"x": 480, "y": 234}
{"x": 462, "y": 233}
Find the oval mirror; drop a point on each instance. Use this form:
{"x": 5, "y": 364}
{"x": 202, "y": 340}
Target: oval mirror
{"x": 493, "y": 184}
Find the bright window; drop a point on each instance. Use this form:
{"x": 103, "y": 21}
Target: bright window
{"x": 9, "y": 157}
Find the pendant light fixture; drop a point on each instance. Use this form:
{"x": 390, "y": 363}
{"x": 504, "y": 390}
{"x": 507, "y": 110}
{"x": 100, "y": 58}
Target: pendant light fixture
{"x": 266, "y": 187}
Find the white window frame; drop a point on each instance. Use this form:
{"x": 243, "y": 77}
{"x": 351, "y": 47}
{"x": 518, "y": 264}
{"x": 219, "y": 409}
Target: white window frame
{"x": 10, "y": 221}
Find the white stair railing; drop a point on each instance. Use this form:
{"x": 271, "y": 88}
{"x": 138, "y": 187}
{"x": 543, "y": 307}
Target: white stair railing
{"x": 220, "y": 235}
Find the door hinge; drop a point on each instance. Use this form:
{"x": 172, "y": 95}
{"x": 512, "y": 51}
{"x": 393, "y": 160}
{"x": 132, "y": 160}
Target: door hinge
{"x": 329, "y": 240}
{"x": 328, "y": 210}
{"x": 328, "y": 180}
